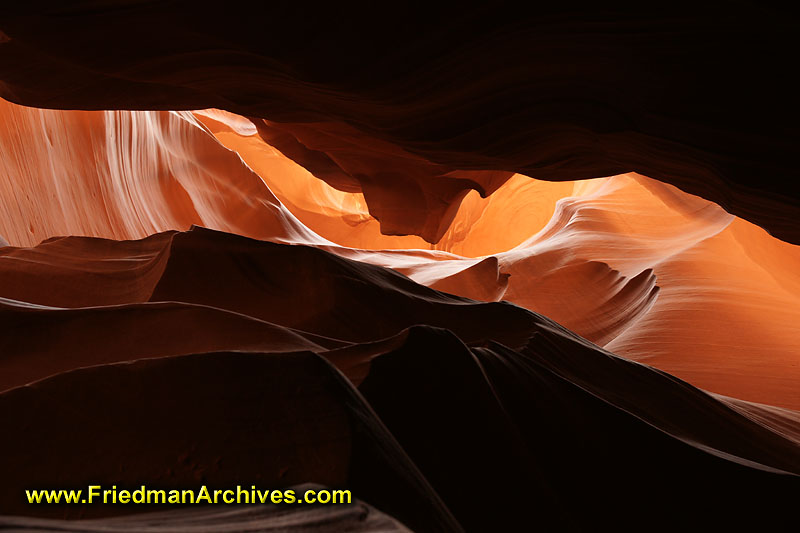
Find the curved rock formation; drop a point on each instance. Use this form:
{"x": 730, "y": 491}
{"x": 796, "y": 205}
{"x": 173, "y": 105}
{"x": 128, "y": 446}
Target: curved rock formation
{"x": 288, "y": 245}
{"x": 502, "y": 364}
{"x": 126, "y": 175}
{"x": 616, "y": 260}
{"x": 696, "y": 96}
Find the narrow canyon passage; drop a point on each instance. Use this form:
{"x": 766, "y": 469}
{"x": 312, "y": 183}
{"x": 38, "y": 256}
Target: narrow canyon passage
{"x": 318, "y": 268}
{"x": 639, "y": 267}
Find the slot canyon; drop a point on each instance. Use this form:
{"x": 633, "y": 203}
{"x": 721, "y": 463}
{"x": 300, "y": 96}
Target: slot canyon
{"x": 490, "y": 269}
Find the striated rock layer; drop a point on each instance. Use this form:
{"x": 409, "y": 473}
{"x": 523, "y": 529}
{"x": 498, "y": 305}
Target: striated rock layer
{"x": 289, "y": 245}
{"x": 652, "y": 273}
{"x": 486, "y": 396}
{"x": 124, "y": 175}
{"x": 698, "y": 96}
{"x": 628, "y": 263}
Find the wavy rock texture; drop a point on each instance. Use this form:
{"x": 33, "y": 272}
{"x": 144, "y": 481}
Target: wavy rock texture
{"x": 124, "y": 175}
{"x": 284, "y": 245}
{"x": 75, "y": 303}
{"x": 561, "y": 418}
{"x": 628, "y": 263}
{"x": 346, "y": 218}
{"x": 698, "y": 96}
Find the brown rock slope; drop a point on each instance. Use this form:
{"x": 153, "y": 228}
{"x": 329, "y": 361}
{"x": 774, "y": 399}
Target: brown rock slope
{"x": 631, "y": 264}
{"x": 652, "y": 273}
{"x": 480, "y": 414}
